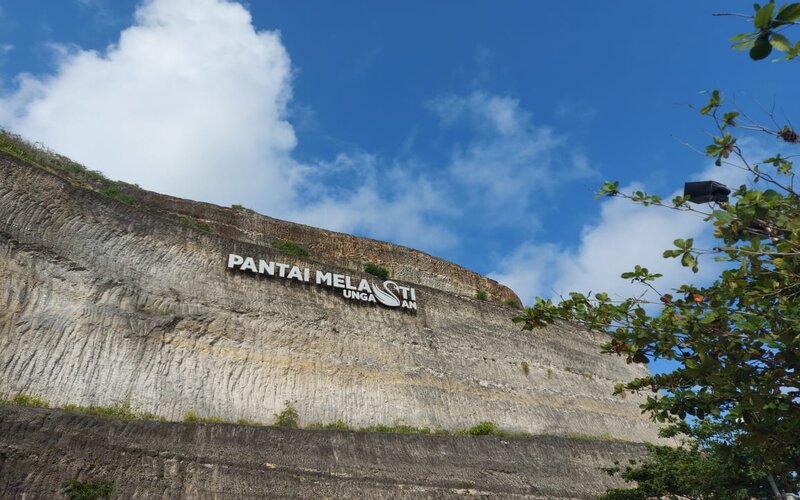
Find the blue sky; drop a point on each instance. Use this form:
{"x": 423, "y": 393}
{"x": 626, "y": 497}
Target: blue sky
{"x": 475, "y": 131}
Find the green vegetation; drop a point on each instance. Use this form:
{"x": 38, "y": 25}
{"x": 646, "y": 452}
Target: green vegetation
{"x": 91, "y": 490}
{"x": 290, "y": 247}
{"x": 735, "y": 394}
{"x": 339, "y": 425}
{"x": 22, "y": 399}
{"x": 685, "y": 472}
{"x": 195, "y": 224}
{"x": 119, "y": 410}
{"x": 594, "y": 437}
{"x": 483, "y": 429}
{"x": 236, "y": 206}
{"x": 769, "y": 24}
{"x": 192, "y": 416}
{"x": 42, "y": 157}
{"x": 481, "y": 295}
{"x": 251, "y": 423}
{"x": 511, "y": 303}
{"x": 115, "y": 193}
{"x": 376, "y": 270}
{"x": 161, "y": 311}
{"x": 288, "y": 417}
{"x": 525, "y": 368}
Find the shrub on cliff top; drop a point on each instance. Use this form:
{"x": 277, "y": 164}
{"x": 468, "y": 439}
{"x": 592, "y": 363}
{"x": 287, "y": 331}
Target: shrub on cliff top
{"x": 376, "y": 270}
{"x": 40, "y": 156}
{"x": 290, "y": 247}
{"x": 113, "y": 192}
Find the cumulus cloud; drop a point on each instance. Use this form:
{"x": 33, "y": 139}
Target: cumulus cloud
{"x": 190, "y": 102}
{"x": 414, "y": 204}
{"x": 624, "y": 235}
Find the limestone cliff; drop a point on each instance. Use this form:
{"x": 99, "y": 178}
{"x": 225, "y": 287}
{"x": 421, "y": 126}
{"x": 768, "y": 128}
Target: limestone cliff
{"x": 103, "y": 302}
{"x": 40, "y": 449}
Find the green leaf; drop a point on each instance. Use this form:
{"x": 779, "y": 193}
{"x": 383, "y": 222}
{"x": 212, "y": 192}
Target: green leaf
{"x": 789, "y": 13}
{"x": 745, "y": 44}
{"x": 780, "y": 42}
{"x": 723, "y": 216}
{"x": 761, "y": 49}
{"x": 763, "y": 16}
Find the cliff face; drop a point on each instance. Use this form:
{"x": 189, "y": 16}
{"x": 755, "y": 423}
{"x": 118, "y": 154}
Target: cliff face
{"x": 103, "y": 302}
{"x": 40, "y": 449}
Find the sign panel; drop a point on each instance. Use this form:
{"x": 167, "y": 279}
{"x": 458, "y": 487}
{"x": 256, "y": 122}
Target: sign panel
{"x": 388, "y": 293}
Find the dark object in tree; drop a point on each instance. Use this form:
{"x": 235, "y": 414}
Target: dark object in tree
{"x": 706, "y": 192}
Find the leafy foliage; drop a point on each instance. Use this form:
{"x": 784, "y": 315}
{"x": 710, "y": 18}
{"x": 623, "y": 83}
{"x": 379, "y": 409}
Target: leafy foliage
{"x": 376, "y": 270}
{"x": 92, "y": 490}
{"x": 689, "y": 472}
{"x": 770, "y": 22}
{"x": 288, "y": 417}
{"x": 481, "y": 295}
{"x": 736, "y": 340}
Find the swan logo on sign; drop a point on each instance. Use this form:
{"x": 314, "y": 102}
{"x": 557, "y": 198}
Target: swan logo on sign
{"x": 389, "y": 293}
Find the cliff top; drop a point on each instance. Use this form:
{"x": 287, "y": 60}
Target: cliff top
{"x": 242, "y": 224}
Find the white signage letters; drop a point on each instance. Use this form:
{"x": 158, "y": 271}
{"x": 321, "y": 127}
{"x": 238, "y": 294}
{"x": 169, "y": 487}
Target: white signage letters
{"x": 389, "y": 294}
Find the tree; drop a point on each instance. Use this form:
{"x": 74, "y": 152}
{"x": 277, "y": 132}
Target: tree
{"x": 736, "y": 392}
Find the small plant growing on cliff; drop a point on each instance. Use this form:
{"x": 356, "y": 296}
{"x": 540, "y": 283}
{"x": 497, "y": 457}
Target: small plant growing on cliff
{"x": 511, "y": 303}
{"x": 482, "y": 429}
{"x": 376, "y": 270}
{"x": 525, "y": 367}
{"x": 195, "y": 224}
{"x": 120, "y": 410}
{"x": 290, "y": 247}
{"x": 23, "y": 399}
{"x": 90, "y": 490}
{"x": 236, "y": 206}
{"x": 115, "y": 193}
{"x": 481, "y": 295}
{"x": 288, "y": 417}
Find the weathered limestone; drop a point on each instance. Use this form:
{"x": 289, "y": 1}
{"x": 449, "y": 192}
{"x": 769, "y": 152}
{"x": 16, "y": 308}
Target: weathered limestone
{"x": 40, "y": 449}
{"x": 101, "y": 302}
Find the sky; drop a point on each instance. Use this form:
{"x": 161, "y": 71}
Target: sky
{"x": 475, "y": 131}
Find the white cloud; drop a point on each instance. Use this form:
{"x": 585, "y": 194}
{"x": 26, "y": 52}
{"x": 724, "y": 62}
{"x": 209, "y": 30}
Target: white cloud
{"x": 407, "y": 209}
{"x": 626, "y": 234}
{"x": 190, "y": 102}
{"x": 509, "y": 159}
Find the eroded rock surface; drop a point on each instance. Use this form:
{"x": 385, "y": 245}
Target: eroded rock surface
{"x": 40, "y": 449}
{"x": 103, "y": 302}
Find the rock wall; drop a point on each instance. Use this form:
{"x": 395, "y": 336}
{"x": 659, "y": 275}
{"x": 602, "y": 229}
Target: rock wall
{"x": 40, "y": 449}
{"x": 104, "y": 302}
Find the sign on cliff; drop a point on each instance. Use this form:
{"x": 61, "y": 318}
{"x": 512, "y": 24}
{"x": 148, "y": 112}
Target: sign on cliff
{"x": 389, "y": 293}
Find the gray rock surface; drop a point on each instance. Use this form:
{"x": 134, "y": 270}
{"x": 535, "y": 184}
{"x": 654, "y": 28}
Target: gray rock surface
{"x": 103, "y": 302}
{"x": 40, "y": 449}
